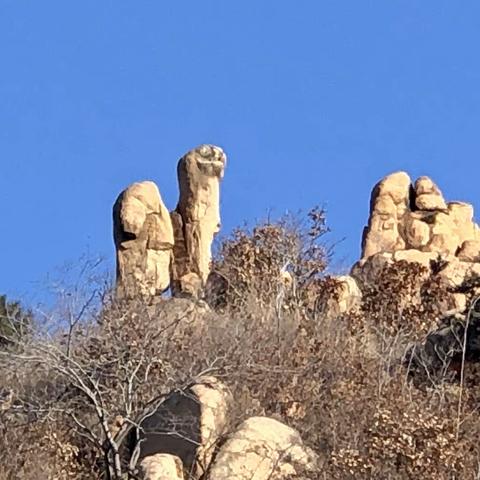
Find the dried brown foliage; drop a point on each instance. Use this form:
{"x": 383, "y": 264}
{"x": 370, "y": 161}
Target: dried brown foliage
{"x": 404, "y": 296}
{"x": 339, "y": 381}
{"x": 263, "y": 262}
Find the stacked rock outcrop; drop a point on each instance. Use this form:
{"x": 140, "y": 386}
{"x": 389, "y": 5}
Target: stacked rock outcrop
{"x": 416, "y": 217}
{"x": 414, "y": 223}
{"x": 196, "y": 219}
{"x": 157, "y": 250}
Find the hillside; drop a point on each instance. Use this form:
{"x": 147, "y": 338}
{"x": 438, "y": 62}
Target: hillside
{"x": 252, "y": 362}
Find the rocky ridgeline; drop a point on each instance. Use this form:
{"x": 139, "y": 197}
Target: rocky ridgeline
{"x": 412, "y": 222}
{"x": 156, "y": 250}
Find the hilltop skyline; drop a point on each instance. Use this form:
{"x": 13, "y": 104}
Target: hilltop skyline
{"x": 312, "y": 104}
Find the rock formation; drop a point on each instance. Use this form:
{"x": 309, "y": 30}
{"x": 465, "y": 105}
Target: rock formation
{"x": 263, "y": 449}
{"x": 389, "y": 204}
{"x": 179, "y": 440}
{"x": 143, "y": 238}
{"x": 416, "y": 217}
{"x": 196, "y": 218}
{"x": 157, "y": 250}
{"x": 188, "y": 425}
{"x": 344, "y": 297}
{"x": 413, "y": 223}
{"x": 162, "y": 466}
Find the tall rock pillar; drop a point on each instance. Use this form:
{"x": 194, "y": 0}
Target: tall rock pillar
{"x": 196, "y": 218}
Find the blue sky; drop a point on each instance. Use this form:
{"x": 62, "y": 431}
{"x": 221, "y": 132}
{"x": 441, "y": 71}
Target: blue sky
{"x": 312, "y": 100}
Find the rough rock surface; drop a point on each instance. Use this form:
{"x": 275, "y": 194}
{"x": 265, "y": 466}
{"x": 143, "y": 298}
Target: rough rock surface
{"x": 428, "y": 196}
{"x": 188, "y": 425}
{"x": 262, "y": 448}
{"x": 389, "y": 205}
{"x": 469, "y": 251}
{"x": 161, "y": 466}
{"x": 196, "y": 218}
{"x": 414, "y": 223}
{"x": 345, "y": 297}
{"x": 143, "y": 236}
{"x": 406, "y": 217}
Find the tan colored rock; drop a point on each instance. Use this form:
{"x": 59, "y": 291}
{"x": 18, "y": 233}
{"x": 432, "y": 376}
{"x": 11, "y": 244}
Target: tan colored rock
{"x": 263, "y": 449}
{"x": 431, "y": 225}
{"x": 423, "y": 229}
{"x": 444, "y": 235}
{"x": 196, "y": 219}
{"x": 428, "y": 196}
{"x": 189, "y": 425}
{"x": 161, "y": 466}
{"x": 367, "y": 269}
{"x": 459, "y": 301}
{"x": 346, "y": 297}
{"x": 450, "y": 230}
{"x": 462, "y": 216}
{"x": 457, "y": 272}
{"x": 469, "y": 251}
{"x": 143, "y": 236}
{"x": 389, "y": 203}
{"x": 417, "y": 231}
{"x": 415, "y": 256}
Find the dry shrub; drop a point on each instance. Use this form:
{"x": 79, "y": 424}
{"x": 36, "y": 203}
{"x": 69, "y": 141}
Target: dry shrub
{"x": 404, "y": 296}
{"x": 45, "y": 449}
{"x": 258, "y": 264}
{"x": 344, "y": 389}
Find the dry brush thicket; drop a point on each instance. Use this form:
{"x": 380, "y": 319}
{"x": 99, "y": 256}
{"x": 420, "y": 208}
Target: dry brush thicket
{"x": 340, "y": 381}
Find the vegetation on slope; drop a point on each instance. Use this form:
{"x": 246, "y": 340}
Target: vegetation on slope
{"x": 340, "y": 381}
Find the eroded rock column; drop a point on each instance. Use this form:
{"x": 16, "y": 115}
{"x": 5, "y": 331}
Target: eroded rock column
{"x": 196, "y": 219}
{"x": 389, "y": 204}
{"x": 143, "y": 236}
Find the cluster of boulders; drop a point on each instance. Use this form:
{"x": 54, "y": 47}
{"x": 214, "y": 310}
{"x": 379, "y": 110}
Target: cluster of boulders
{"x": 412, "y": 222}
{"x": 187, "y": 436}
{"x": 157, "y": 250}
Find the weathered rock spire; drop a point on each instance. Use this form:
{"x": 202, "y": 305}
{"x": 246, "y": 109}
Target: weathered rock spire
{"x": 196, "y": 218}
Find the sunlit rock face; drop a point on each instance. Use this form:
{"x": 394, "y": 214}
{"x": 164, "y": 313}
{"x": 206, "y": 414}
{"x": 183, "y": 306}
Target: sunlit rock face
{"x": 412, "y": 222}
{"x": 188, "y": 425}
{"x": 143, "y": 236}
{"x": 404, "y": 216}
{"x": 263, "y": 449}
{"x": 196, "y": 219}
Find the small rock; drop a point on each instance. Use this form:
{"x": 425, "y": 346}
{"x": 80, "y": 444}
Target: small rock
{"x": 161, "y": 466}
{"x": 469, "y": 251}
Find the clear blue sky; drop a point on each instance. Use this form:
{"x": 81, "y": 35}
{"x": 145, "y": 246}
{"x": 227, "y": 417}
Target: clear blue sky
{"x": 313, "y": 101}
